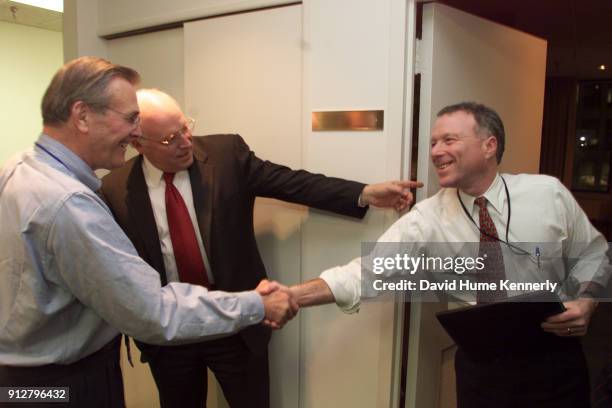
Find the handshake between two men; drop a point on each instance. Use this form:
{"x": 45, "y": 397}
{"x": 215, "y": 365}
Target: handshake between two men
{"x": 280, "y": 305}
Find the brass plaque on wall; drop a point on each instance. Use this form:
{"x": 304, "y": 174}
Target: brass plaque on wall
{"x": 348, "y": 120}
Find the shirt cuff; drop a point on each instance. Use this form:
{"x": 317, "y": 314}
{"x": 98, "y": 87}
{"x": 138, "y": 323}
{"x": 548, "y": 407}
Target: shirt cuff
{"x": 251, "y": 306}
{"x": 360, "y": 202}
{"x": 345, "y": 285}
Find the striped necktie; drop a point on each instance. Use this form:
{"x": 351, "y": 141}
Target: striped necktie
{"x": 490, "y": 250}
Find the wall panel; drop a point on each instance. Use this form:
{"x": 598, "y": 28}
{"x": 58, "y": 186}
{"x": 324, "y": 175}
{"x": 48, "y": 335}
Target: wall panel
{"x": 243, "y": 75}
{"x": 118, "y": 16}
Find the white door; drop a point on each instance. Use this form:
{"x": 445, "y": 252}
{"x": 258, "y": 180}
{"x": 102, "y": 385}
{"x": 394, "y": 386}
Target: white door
{"x": 467, "y": 58}
{"x": 261, "y": 74}
{"x": 243, "y": 75}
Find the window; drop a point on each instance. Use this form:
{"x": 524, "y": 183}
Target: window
{"x": 593, "y": 138}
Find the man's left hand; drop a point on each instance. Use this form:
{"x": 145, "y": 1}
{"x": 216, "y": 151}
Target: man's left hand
{"x": 390, "y": 194}
{"x": 574, "y": 321}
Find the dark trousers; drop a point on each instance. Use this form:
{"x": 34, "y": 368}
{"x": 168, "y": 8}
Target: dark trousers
{"x": 181, "y": 378}
{"x": 549, "y": 378}
{"x": 94, "y": 381}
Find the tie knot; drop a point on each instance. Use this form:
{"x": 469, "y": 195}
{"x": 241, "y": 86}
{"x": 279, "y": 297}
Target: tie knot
{"x": 481, "y": 202}
{"x": 168, "y": 177}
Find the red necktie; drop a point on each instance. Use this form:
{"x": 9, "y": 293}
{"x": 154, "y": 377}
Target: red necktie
{"x": 494, "y": 270}
{"x": 187, "y": 253}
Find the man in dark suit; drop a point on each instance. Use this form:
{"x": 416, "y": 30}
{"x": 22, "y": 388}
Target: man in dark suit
{"x": 217, "y": 178}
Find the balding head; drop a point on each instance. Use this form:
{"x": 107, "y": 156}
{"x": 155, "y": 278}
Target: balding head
{"x": 156, "y": 107}
{"x": 166, "y": 140}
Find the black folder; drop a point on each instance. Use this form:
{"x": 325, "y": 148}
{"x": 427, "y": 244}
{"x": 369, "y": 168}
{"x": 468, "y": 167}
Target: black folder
{"x": 510, "y": 326}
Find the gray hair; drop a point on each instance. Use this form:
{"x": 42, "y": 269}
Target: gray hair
{"x": 84, "y": 79}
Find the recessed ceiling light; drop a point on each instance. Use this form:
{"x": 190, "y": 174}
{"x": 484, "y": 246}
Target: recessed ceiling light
{"x": 55, "y": 5}
{"x": 602, "y": 67}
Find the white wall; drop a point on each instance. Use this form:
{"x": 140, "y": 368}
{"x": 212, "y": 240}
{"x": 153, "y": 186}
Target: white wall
{"x": 80, "y": 25}
{"x": 353, "y": 59}
{"x": 236, "y": 85}
{"x": 30, "y": 58}
{"x": 157, "y": 56}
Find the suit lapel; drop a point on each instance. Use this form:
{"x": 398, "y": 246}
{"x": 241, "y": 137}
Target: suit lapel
{"x": 140, "y": 212}
{"x": 201, "y": 177}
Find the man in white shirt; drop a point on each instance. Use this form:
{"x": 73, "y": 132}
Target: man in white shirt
{"x": 467, "y": 144}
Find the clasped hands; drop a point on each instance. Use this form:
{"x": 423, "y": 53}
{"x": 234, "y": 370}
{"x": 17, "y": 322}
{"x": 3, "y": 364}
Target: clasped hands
{"x": 280, "y": 305}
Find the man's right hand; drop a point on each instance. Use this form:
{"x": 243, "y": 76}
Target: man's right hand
{"x": 279, "y": 305}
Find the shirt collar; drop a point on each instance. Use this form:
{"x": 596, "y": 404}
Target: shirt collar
{"x": 64, "y": 159}
{"x": 495, "y": 195}
{"x": 152, "y": 174}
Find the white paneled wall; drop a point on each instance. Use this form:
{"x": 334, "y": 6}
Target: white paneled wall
{"x": 347, "y": 360}
{"x": 243, "y": 75}
{"x": 157, "y": 56}
{"x": 119, "y": 16}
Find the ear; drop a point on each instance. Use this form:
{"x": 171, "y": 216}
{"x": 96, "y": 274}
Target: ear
{"x": 490, "y": 147}
{"x": 80, "y": 115}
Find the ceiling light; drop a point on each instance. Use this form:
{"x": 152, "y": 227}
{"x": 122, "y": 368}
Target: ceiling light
{"x": 602, "y": 67}
{"x": 55, "y": 5}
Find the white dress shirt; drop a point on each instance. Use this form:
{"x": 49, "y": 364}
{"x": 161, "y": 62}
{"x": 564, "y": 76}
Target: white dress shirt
{"x": 543, "y": 213}
{"x": 157, "y": 193}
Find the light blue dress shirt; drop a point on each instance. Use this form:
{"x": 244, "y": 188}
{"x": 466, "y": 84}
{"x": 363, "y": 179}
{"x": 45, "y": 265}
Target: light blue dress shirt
{"x": 70, "y": 280}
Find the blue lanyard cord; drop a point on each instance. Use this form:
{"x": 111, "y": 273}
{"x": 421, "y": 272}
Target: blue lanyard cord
{"x": 62, "y": 163}
{"x": 52, "y": 155}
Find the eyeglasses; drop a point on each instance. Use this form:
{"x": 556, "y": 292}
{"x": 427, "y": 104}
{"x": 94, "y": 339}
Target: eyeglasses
{"x": 168, "y": 140}
{"x": 132, "y": 118}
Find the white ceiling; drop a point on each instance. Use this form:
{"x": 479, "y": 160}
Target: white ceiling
{"x": 18, "y": 13}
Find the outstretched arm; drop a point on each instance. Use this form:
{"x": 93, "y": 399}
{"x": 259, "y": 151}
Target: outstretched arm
{"x": 266, "y": 179}
{"x": 312, "y": 293}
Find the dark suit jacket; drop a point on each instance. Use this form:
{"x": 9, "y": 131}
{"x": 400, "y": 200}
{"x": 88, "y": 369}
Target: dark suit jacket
{"x": 225, "y": 179}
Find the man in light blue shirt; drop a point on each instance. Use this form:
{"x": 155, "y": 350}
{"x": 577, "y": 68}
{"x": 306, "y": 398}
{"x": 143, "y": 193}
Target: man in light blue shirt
{"x": 70, "y": 280}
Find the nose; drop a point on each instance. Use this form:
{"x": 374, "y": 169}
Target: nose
{"x": 137, "y": 132}
{"x": 436, "y": 150}
{"x": 186, "y": 139}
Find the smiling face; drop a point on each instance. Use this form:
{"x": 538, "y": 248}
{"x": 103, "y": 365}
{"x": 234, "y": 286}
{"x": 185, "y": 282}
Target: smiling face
{"x": 161, "y": 117}
{"x": 462, "y": 157}
{"x": 110, "y": 131}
